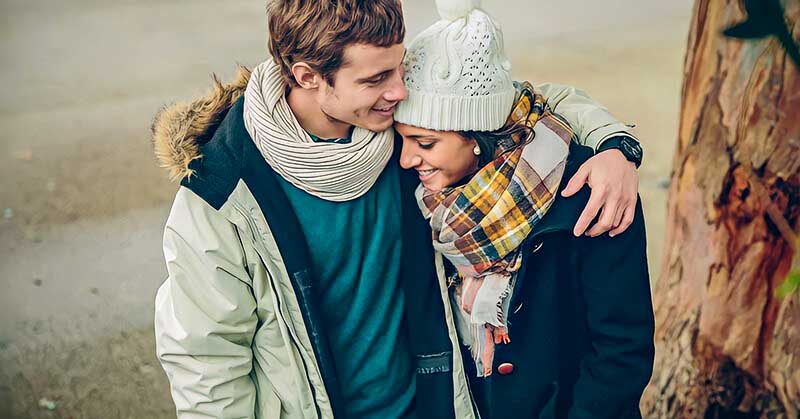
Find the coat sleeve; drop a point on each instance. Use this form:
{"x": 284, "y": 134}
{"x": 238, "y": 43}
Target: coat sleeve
{"x": 205, "y": 314}
{"x": 616, "y": 290}
{"x": 590, "y": 120}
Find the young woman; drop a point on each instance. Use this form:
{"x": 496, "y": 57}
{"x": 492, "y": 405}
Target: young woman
{"x": 554, "y": 325}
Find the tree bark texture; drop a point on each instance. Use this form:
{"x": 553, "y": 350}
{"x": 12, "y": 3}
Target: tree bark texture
{"x": 726, "y": 345}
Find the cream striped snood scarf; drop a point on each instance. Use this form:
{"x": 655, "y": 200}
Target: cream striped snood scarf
{"x": 330, "y": 171}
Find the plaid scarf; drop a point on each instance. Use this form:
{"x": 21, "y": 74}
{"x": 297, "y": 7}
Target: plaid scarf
{"x": 479, "y": 226}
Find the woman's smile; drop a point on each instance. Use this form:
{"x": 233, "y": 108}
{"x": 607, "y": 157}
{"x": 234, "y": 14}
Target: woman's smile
{"x": 426, "y": 174}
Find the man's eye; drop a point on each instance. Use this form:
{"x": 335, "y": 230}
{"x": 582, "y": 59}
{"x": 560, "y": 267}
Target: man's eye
{"x": 376, "y": 80}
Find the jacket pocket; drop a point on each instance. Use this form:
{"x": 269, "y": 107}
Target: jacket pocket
{"x": 549, "y": 409}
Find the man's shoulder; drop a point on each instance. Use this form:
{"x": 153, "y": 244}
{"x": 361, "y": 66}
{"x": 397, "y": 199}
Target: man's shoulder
{"x": 218, "y": 167}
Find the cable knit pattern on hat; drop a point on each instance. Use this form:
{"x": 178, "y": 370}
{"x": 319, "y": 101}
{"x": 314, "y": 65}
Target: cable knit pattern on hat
{"x": 457, "y": 74}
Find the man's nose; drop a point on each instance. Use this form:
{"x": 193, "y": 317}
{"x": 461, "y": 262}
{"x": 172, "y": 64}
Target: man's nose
{"x": 397, "y": 91}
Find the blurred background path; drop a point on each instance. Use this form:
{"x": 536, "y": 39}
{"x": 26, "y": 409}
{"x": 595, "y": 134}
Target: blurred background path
{"x": 82, "y": 203}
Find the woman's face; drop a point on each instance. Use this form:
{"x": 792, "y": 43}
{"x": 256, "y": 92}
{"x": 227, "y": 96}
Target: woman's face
{"x": 442, "y": 158}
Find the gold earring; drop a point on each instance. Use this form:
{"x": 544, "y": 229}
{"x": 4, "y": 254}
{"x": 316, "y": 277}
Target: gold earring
{"x": 477, "y": 150}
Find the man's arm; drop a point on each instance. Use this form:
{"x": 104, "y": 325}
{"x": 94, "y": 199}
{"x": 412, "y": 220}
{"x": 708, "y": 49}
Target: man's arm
{"x": 613, "y": 179}
{"x": 616, "y": 289}
{"x": 591, "y": 121}
{"x": 205, "y": 314}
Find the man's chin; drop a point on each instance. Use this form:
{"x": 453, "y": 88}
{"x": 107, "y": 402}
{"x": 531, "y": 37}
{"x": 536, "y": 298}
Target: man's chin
{"x": 380, "y": 126}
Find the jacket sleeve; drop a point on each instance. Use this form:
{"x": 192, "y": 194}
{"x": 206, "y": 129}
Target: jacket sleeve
{"x": 616, "y": 290}
{"x": 590, "y": 120}
{"x": 205, "y": 314}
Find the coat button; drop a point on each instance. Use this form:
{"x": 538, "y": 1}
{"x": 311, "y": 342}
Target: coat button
{"x": 505, "y": 368}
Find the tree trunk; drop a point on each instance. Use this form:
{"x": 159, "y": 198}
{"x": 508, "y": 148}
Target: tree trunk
{"x": 726, "y": 345}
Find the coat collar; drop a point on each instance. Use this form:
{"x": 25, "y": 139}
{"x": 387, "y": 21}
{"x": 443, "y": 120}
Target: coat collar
{"x": 181, "y": 129}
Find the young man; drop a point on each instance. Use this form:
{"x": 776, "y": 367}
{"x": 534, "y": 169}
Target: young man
{"x": 302, "y": 282}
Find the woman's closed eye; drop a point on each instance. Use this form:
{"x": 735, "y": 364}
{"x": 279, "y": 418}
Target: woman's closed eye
{"x": 426, "y": 145}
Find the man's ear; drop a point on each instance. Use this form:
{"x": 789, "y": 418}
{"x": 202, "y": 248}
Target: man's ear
{"x": 305, "y": 77}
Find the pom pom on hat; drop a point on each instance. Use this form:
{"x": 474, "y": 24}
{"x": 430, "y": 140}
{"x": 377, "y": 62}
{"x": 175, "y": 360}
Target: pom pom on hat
{"x": 456, "y": 9}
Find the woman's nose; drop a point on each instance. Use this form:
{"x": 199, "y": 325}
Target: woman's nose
{"x": 408, "y": 157}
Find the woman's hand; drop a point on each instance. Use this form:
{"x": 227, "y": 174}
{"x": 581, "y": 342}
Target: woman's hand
{"x": 615, "y": 183}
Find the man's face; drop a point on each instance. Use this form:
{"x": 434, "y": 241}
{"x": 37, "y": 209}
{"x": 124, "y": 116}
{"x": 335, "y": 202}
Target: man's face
{"x": 367, "y": 88}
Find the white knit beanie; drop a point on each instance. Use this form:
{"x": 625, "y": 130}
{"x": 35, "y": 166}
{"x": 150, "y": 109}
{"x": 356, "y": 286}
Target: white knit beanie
{"x": 457, "y": 74}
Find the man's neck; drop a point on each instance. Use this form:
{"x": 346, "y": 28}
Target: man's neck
{"x": 311, "y": 118}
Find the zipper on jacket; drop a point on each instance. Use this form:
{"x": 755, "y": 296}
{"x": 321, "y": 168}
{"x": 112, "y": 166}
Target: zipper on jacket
{"x": 292, "y": 334}
{"x": 256, "y": 241}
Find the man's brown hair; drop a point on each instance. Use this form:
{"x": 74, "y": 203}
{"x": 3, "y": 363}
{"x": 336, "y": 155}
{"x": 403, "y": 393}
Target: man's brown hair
{"x": 318, "y": 31}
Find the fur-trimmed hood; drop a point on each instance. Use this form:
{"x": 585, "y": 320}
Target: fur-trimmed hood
{"x": 179, "y": 129}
